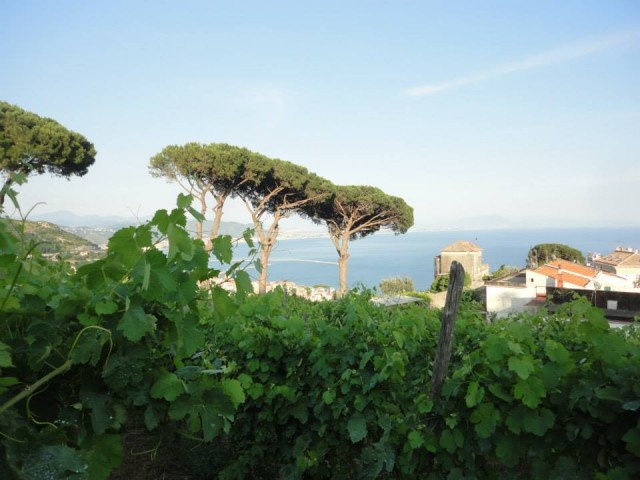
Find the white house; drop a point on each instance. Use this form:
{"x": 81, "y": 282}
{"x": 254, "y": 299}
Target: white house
{"x": 621, "y": 262}
{"x": 526, "y": 290}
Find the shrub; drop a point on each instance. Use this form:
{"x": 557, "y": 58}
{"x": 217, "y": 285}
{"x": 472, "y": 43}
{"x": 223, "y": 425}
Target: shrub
{"x": 396, "y": 286}
{"x": 441, "y": 283}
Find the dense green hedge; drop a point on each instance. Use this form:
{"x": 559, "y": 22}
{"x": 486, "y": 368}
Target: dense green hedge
{"x": 276, "y": 387}
{"x": 340, "y": 390}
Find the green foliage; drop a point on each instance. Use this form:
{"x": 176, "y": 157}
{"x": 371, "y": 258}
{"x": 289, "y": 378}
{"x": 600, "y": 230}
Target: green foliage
{"x": 547, "y": 252}
{"x": 33, "y": 144}
{"x": 51, "y": 239}
{"x": 217, "y": 170}
{"x": 351, "y": 212}
{"x": 423, "y": 295}
{"x": 501, "y": 272}
{"x": 396, "y": 286}
{"x": 441, "y": 282}
{"x": 274, "y": 386}
{"x": 356, "y": 211}
{"x": 125, "y": 340}
{"x": 339, "y": 390}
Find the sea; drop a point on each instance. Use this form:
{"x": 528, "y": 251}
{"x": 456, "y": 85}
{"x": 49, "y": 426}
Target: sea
{"x": 313, "y": 261}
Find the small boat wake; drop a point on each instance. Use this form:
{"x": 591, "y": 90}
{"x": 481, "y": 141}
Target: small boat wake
{"x": 302, "y": 260}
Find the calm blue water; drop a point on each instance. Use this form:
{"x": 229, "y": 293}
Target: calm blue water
{"x": 313, "y": 261}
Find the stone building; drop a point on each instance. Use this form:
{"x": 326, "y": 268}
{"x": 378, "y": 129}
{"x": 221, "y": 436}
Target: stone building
{"x": 468, "y": 254}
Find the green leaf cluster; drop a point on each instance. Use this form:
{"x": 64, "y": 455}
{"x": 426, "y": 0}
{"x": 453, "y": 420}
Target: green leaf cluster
{"x": 119, "y": 343}
{"x": 274, "y": 386}
{"x": 341, "y": 390}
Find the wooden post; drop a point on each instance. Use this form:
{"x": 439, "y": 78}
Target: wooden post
{"x": 449, "y": 313}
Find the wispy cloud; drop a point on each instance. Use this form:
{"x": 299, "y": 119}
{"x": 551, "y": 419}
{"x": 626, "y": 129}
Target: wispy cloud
{"x": 551, "y": 57}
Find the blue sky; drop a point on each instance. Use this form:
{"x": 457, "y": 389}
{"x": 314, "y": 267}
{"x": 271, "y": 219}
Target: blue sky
{"x": 527, "y": 111}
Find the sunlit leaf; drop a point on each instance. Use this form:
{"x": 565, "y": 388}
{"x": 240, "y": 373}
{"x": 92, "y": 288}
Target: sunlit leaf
{"x": 523, "y": 366}
{"x": 223, "y": 248}
{"x": 234, "y": 390}
{"x": 167, "y": 386}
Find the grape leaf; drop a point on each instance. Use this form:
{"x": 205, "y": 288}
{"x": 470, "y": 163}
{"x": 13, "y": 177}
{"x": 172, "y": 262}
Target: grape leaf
{"x": 475, "y": 394}
{"x": 530, "y": 391}
{"x": 234, "y": 390}
{"x": 106, "y": 307}
{"x": 222, "y": 248}
{"x": 486, "y": 418}
{"x": 5, "y": 356}
{"x": 135, "y": 323}
{"x": 103, "y": 454}
{"x": 88, "y": 347}
{"x": 54, "y": 461}
{"x": 243, "y": 283}
{"x": 357, "y": 428}
{"x": 167, "y": 386}
{"x": 523, "y": 366}
{"x": 538, "y": 421}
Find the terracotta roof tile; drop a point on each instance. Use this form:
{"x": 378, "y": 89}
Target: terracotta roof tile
{"x": 552, "y": 272}
{"x": 574, "y": 267}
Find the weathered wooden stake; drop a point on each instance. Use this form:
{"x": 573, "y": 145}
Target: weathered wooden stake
{"x": 449, "y": 313}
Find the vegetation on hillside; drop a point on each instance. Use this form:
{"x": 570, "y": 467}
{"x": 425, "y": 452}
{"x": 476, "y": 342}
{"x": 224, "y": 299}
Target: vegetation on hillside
{"x": 51, "y": 240}
{"x": 272, "y": 386}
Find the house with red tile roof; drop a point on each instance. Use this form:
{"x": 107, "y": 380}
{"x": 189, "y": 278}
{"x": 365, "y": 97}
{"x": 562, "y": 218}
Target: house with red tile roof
{"x": 517, "y": 293}
{"x": 566, "y": 274}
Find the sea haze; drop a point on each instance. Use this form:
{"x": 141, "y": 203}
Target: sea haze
{"x": 313, "y": 261}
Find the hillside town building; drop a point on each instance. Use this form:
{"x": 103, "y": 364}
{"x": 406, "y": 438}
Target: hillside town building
{"x": 468, "y": 254}
{"x": 526, "y": 291}
{"x": 621, "y": 262}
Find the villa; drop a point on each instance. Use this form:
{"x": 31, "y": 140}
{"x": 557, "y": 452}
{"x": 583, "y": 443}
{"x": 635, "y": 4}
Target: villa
{"x": 527, "y": 290}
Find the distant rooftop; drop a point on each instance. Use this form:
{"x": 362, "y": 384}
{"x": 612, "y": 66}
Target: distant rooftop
{"x": 620, "y": 257}
{"x": 553, "y": 272}
{"x": 573, "y": 267}
{"x": 462, "y": 246}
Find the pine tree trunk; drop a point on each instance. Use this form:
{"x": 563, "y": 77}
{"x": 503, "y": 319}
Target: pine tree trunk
{"x": 217, "y": 218}
{"x": 343, "y": 260}
{"x": 265, "y": 253}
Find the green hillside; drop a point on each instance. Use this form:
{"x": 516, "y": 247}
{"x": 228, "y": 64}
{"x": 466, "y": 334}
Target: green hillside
{"x": 54, "y": 241}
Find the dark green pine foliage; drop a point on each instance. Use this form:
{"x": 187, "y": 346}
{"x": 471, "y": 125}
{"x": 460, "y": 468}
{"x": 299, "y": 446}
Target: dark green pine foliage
{"x": 30, "y": 144}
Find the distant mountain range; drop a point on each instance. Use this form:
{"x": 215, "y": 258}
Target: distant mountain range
{"x": 98, "y": 229}
{"x": 65, "y": 218}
